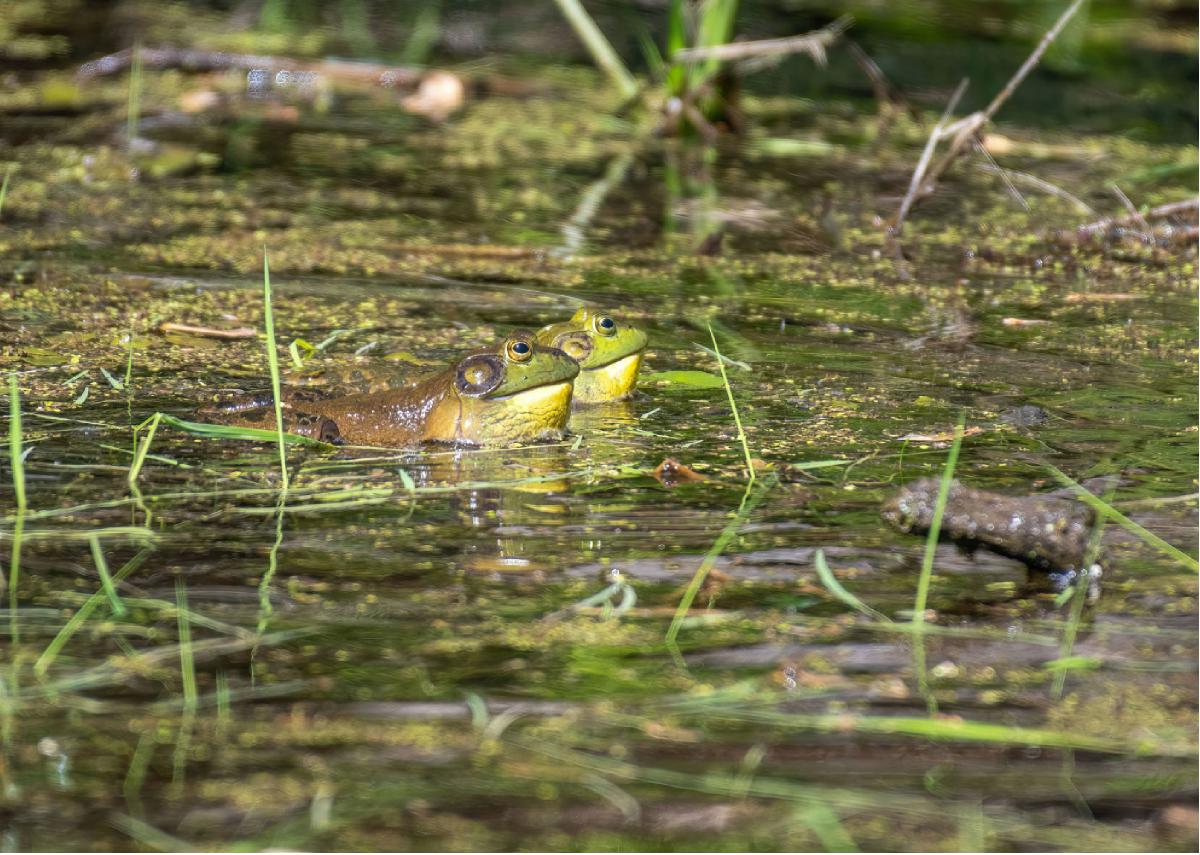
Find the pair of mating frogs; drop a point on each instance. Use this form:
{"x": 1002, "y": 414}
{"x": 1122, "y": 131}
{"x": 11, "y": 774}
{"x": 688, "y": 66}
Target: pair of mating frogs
{"x": 520, "y": 391}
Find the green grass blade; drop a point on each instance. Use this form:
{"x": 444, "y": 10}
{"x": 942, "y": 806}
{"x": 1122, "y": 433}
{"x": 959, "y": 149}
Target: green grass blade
{"x": 824, "y": 823}
{"x": 15, "y": 457}
{"x": 1102, "y": 507}
{"x": 1079, "y": 599}
{"x": 4, "y": 186}
{"x": 147, "y": 835}
{"x": 142, "y": 448}
{"x": 85, "y": 611}
{"x": 129, "y": 359}
{"x": 234, "y": 432}
{"x": 931, "y": 541}
{"x": 737, "y": 419}
{"x": 598, "y": 46}
{"x": 106, "y": 582}
{"x": 835, "y": 587}
{"x": 187, "y": 662}
{"x": 676, "y": 40}
{"x": 710, "y": 558}
{"x": 273, "y": 363}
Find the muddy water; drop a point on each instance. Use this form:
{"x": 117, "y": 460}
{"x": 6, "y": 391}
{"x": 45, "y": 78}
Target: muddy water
{"x": 406, "y": 651}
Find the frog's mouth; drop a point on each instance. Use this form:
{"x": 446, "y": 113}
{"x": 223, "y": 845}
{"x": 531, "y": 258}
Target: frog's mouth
{"x": 618, "y": 367}
{"x": 610, "y": 382}
{"x": 538, "y": 395}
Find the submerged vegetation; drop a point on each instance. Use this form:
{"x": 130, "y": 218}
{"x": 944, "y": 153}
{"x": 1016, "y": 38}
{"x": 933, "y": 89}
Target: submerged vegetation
{"x": 685, "y": 625}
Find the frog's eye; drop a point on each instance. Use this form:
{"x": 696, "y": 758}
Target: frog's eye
{"x": 606, "y": 325}
{"x": 519, "y": 350}
{"x": 478, "y": 375}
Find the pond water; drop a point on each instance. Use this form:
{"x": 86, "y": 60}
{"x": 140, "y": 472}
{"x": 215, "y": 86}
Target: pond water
{"x": 474, "y": 649}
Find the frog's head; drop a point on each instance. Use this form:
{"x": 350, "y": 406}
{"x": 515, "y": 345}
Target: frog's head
{"x": 518, "y": 391}
{"x": 609, "y": 353}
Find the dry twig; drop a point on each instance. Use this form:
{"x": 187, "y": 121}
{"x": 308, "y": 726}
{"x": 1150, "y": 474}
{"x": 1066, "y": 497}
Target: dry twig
{"x": 206, "y": 332}
{"x": 918, "y": 176}
{"x": 813, "y": 44}
{"x": 966, "y": 130}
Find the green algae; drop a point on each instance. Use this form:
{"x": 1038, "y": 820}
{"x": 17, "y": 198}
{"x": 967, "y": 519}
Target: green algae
{"x": 405, "y": 582}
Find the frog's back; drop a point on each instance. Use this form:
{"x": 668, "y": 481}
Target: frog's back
{"x": 408, "y": 416}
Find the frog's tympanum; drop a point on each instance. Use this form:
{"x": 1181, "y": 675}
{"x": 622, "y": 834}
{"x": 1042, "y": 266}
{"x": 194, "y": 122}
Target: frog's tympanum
{"x": 609, "y": 354}
{"x": 517, "y": 392}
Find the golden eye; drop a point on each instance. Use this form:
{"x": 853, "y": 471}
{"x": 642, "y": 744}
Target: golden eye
{"x": 520, "y": 350}
{"x": 606, "y": 325}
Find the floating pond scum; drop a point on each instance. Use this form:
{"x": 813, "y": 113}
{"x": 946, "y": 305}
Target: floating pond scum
{"x": 698, "y": 620}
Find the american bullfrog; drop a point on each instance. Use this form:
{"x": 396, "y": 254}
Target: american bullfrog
{"x": 518, "y": 391}
{"x": 609, "y": 354}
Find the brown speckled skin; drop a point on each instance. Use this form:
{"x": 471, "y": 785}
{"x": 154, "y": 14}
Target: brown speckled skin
{"x": 531, "y": 402}
{"x": 1045, "y": 532}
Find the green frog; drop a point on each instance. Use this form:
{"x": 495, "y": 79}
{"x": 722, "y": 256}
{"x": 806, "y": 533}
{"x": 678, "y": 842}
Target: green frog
{"x": 609, "y": 354}
{"x": 519, "y": 391}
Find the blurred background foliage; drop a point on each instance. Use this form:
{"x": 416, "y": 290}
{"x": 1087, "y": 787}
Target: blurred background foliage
{"x": 1127, "y": 65}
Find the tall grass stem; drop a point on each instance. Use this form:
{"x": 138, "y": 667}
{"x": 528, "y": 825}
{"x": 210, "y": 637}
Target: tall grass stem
{"x": 598, "y": 46}
{"x": 187, "y": 663}
{"x": 106, "y": 582}
{"x": 751, "y": 500}
{"x": 4, "y": 186}
{"x": 737, "y": 419}
{"x": 273, "y": 363}
{"x": 15, "y": 457}
{"x": 923, "y": 582}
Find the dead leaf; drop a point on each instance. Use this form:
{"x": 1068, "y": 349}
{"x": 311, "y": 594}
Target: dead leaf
{"x": 671, "y": 472}
{"x": 439, "y": 94}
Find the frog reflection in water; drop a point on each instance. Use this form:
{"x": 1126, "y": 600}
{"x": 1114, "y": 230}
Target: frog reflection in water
{"x": 517, "y": 392}
{"x": 609, "y": 354}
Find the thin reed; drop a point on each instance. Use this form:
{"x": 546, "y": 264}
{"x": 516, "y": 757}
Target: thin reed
{"x": 187, "y": 662}
{"x": 754, "y": 495}
{"x": 15, "y": 457}
{"x": 106, "y": 581}
{"x": 598, "y": 46}
{"x": 835, "y": 587}
{"x": 80, "y": 617}
{"x": 142, "y": 448}
{"x": 737, "y": 419}
{"x": 923, "y": 582}
{"x": 1102, "y": 507}
{"x": 4, "y": 185}
{"x": 273, "y": 363}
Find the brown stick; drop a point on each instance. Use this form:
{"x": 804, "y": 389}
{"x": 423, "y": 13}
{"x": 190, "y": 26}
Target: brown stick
{"x": 206, "y": 332}
{"x": 1147, "y": 232}
{"x": 813, "y": 44}
{"x": 918, "y": 175}
{"x": 969, "y": 128}
{"x": 1043, "y": 185}
{"x": 1002, "y": 172}
{"x": 1108, "y": 224}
